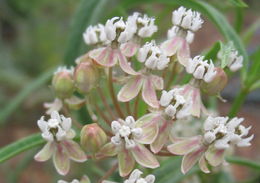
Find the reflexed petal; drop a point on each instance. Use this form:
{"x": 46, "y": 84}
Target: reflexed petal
{"x": 184, "y": 146}
{"x": 125, "y": 66}
{"x": 75, "y": 102}
{"x": 61, "y": 160}
{"x": 183, "y": 54}
{"x": 126, "y": 162}
{"x": 149, "y": 94}
{"x": 157, "y": 82}
{"x": 129, "y": 49}
{"x": 203, "y": 165}
{"x": 163, "y": 136}
{"x": 149, "y": 125}
{"x": 108, "y": 149}
{"x": 191, "y": 158}
{"x": 214, "y": 156}
{"x": 171, "y": 46}
{"x": 144, "y": 157}
{"x": 46, "y": 152}
{"x": 131, "y": 89}
{"x": 74, "y": 151}
{"x": 85, "y": 179}
{"x": 106, "y": 57}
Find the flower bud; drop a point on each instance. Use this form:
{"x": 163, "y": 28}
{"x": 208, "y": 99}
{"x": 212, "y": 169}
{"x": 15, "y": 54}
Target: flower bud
{"x": 92, "y": 138}
{"x": 217, "y": 84}
{"x": 85, "y": 75}
{"x": 63, "y": 83}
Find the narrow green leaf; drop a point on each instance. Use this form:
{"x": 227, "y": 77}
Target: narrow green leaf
{"x": 255, "y": 86}
{"x": 213, "y": 52}
{"x": 243, "y": 162}
{"x": 238, "y": 3}
{"x": 88, "y": 12}
{"x": 19, "y": 146}
{"x": 25, "y": 92}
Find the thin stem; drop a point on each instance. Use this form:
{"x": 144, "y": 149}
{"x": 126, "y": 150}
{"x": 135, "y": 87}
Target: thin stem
{"x": 171, "y": 79}
{"x": 136, "y": 105}
{"x": 101, "y": 114}
{"x": 128, "y": 110}
{"x": 74, "y": 121}
{"x": 103, "y": 98}
{"x": 108, "y": 173}
{"x": 239, "y": 100}
{"x": 90, "y": 110}
{"x": 112, "y": 93}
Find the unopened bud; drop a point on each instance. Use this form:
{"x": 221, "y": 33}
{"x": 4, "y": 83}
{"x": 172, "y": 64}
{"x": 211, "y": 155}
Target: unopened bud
{"x": 63, "y": 83}
{"x": 85, "y": 75}
{"x": 217, "y": 84}
{"x": 92, "y": 138}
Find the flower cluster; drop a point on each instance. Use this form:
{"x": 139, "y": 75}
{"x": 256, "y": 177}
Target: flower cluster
{"x": 134, "y": 115}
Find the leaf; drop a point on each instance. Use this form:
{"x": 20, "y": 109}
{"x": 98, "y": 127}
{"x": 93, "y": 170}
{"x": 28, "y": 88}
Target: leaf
{"x": 243, "y": 162}
{"x": 19, "y": 146}
{"x": 88, "y": 12}
{"x": 238, "y": 3}
{"x": 25, "y": 92}
{"x": 212, "y": 53}
{"x": 213, "y": 14}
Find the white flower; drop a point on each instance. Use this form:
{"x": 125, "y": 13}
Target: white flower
{"x": 201, "y": 69}
{"x": 135, "y": 177}
{"x": 153, "y": 56}
{"x": 187, "y": 19}
{"x": 95, "y": 34}
{"x": 64, "y": 69}
{"x": 223, "y": 133}
{"x": 56, "y": 105}
{"x": 57, "y": 127}
{"x": 235, "y": 61}
{"x": 175, "y": 104}
{"x": 147, "y": 26}
{"x": 124, "y": 131}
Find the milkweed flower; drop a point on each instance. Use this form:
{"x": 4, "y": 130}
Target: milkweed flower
{"x": 219, "y": 134}
{"x": 185, "y": 24}
{"x": 173, "y": 106}
{"x": 56, "y": 105}
{"x": 117, "y": 32}
{"x": 201, "y": 69}
{"x": 141, "y": 26}
{"x": 153, "y": 59}
{"x": 127, "y": 144}
{"x": 95, "y": 35}
{"x": 58, "y": 134}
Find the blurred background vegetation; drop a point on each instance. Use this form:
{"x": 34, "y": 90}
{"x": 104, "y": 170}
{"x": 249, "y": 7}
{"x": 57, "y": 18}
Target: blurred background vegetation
{"x": 38, "y": 35}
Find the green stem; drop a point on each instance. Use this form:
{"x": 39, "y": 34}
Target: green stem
{"x": 239, "y": 100}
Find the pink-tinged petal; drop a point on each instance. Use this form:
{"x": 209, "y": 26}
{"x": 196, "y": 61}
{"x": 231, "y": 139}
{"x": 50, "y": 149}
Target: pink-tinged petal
{"x": 129, "y": 49}
{"x": 131, "y": 89}
{"x": 106, "y": 57}
{"x": 183, "y": 53}
{"x": 215, "y": 156}
{"x": 126, "y": 162}
{"x": 74, "y": 151}
{"x": 144, "y": 157}
{"x": 149, "y": 125}
{"x": 85, "y": 179}
{"x": 108, "y": 149}
{"x": 191, "y": 158}
{"x": 203, "y": 165}
{"x": 157, "y": 82}
{"x": 149, "y": 94}
{"x": 163, "y": 136}
{"x": 184, "y": 146}
{"x": 61, "y": 160}
{"x": 171, "y": 46}
{"x": 46, "y": 152}
{"x": 125, "y": 66}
